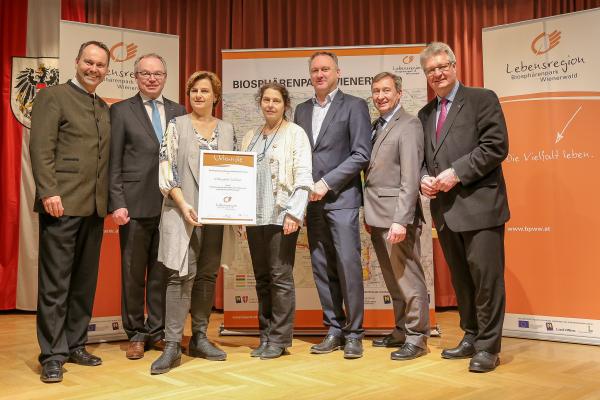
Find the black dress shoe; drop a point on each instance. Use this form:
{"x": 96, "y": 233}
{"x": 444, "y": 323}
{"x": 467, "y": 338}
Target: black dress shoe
{"x": 201, "y": 347}
{"x": 258, "y": 351}
{"x": 408, "y": 351}
{"x": 170, "y": 358}
{"x": 463, "y": 350}
{"x": 484, "y": 361}
{"x": 82, "y": 357}
{"x": 329, "y": 344}
{"x": 51, "y": 372}
{"x": 353, "y": 348}
{"x": 387, "y": 341}
{"x": 272, "y": 351}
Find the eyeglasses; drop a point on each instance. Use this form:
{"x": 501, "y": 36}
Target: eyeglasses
{"x": 441, "y": 68}
{"x": 156, "y": 75}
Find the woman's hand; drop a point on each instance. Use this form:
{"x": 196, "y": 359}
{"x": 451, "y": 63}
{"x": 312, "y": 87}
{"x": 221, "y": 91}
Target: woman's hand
{"x": 189, "y": 214}
{"x": 290, "y": 225}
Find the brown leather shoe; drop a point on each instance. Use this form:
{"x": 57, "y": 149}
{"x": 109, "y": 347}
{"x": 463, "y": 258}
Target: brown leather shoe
{"x": 135, "y": 350}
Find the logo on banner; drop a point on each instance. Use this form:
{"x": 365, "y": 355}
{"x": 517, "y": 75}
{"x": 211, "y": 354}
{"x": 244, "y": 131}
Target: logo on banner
{"x": 91, "y": 327}
{"x": 115, "y": 326}
{"x": 544, "y": 42}
{"x": 29, "y": 75}
{"x": 523, "y": 324}
{"x": 121, "y": 52}
{"x": 387, "y": 299}
{"x": 549, "y": 326}
{"x": 408, "y": 59}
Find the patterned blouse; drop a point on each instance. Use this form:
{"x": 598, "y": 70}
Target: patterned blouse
{"x": 168, "y": 177}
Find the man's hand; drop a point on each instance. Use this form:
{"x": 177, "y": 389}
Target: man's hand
{"x": 396, "y": 233}
{"x": 189, "y": 214}
{"x": 120, "y": 216}
{"x": 446, "y": 180}
{"x": 319, "y": 191}
{"x": 53, "y": 206}
{"x": 290, "y": 225}
{"x": 428, "y": 187}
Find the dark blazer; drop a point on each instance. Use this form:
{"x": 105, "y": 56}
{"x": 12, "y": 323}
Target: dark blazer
{"x": 392, "y": 178}
{"x": 69, "y": 148}
{"x": 134, "y": 157}
{"x": 342, "y": 149}
{"x": 473, "y": 141}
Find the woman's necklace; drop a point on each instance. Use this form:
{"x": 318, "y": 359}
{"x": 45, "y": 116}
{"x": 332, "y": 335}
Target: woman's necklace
{"x": 261, "y": 156}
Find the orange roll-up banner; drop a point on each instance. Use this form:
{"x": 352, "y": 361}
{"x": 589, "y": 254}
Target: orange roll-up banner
{"x": 244, "y": 71}
{"x": 546, "y": 75}
{"x": 125, "y": 46}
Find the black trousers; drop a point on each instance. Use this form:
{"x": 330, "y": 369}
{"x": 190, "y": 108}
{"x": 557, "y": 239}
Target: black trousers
{"x": 476, "y": 260}
{"x": 67, "y": 275}
{"x": 142, "y": 278}
{"x": 273, "y": 255}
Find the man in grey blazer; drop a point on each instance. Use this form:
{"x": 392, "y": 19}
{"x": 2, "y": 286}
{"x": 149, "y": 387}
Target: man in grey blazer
{"x": 394, "y": 216}
{"x": 465, "y": 143}
{"x": 138, "y": 124}
{"x": 338, "y": 128}
{"x": 69, "y": 147}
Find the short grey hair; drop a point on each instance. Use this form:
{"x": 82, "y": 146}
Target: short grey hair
{"x": 396, "y": 78}
{"x": 149, "y": 55}
{"x": 435, "y": 48}
{"x": 323, "y": 53}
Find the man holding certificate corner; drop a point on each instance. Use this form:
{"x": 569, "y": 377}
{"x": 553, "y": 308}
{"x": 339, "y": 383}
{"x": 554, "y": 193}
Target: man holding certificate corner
{"x": 191, "y": 251}
{"x": 284, "y": 182}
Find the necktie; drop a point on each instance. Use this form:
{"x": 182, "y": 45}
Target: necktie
{"x": 441, "y": 119}
{"x": 378, "y": 128}
{"x": 156, "y": 124}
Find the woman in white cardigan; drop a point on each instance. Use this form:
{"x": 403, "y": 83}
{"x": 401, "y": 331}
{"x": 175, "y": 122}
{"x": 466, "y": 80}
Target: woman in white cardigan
{"x": 284, "y": 182}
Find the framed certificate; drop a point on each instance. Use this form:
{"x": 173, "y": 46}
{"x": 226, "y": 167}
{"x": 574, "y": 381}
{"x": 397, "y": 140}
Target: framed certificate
{"x": 227, "y": 188}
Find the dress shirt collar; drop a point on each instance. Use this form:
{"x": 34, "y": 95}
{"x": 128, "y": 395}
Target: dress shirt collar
{"x": 80, "y": 86}
{"x": 328, "y": 99}
{"x": 388, "y": 115}
{"x": 146, "y": 99}
{"x": 451, "y": 95}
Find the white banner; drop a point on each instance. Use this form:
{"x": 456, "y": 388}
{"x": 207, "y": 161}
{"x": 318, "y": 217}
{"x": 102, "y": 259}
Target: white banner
{"x": 125, "y": 45}
{"x": 244, "y": 71}
{"x": 545, "y": 73}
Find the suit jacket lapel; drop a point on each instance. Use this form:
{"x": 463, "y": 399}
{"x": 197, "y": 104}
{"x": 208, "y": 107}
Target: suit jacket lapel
{"x": 169, "y": 110}
{"x": 430, "y": 128}
{"x": 336, "y": 103}
{"x": 139, "y": 110}
{"x": 454, "y": 110}
{"x": 306, "y": 120}
{"x": 388, "y": 127}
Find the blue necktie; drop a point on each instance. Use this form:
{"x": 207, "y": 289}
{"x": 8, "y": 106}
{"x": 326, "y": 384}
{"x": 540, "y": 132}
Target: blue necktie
{"x": 156, "y": 121}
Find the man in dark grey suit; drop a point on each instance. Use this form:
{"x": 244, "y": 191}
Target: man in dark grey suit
{"x": 465, "y": 143}
{"x": 138, "y": 124}
{"x": 339, "y": 130}
{"x": 69, "y": 147}
{"x": 394, "y": 216}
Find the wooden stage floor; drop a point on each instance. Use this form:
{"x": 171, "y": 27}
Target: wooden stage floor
{"x": 529, "y": 369}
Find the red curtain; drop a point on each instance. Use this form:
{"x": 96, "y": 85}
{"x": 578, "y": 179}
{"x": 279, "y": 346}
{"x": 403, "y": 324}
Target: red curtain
{"x": 207, "y": 26}
{"x": 73, "y": 10}
{"x": 13, "y": 17}
{"x": 13, "y": 36}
